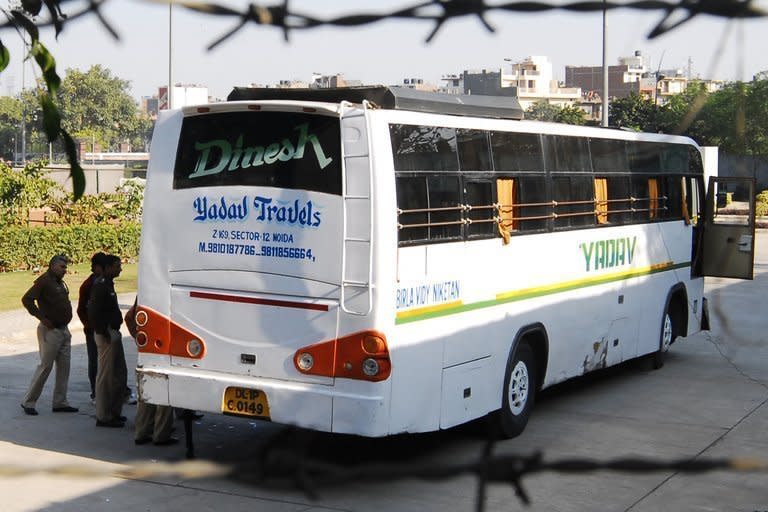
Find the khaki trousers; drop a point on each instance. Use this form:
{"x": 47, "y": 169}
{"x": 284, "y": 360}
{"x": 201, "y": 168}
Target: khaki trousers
{"x": 153, "y": 421}
{"x": 110, "y": 384}
{"x": 55, "y": 347}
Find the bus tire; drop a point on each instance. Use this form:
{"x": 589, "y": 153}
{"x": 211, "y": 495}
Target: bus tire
{"x": 519, "y": 391}
{"x": 666, "y": 337}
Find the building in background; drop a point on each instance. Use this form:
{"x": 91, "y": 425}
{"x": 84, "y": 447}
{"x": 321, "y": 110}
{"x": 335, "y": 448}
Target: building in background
{"x": 623, "y": 79}
{"x": 331, "y": 81}
{"x": 150, "y": 105}
{"x": 530, "y": 80}
{"x": 534, "y": 82}
{"x": 452, "y": 84}
{"x": 182, "y": 96}
{"x": 417, "y": 84}
{"x": 292, "y": 84}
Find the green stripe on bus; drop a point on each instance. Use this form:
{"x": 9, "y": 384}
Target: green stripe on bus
{"x": 530, "y": 293}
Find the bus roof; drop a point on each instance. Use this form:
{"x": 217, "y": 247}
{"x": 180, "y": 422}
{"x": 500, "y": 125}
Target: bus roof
{"x": 398, "y": 98}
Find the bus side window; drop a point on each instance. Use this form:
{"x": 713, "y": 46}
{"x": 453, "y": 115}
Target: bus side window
{"x": 640, "y": 191}
{"x": 474, "y": 151}
{"x": 513, "y": 152}
{"x": 619, "y": 200}
{"x": 412, "y": 195}
{"x": 608, "y": 156}
{"x": 674, "y": 193}
{"x": 575, "y": 201}
{"x": 535, "y": 209}
{"x": 479, "y": 195}
{"x": 445, "y": 207}
{"x": 423, "y": 148}
{"x": 566, "y": 154}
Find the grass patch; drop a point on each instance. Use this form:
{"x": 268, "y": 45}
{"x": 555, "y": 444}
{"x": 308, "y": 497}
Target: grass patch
{"x": 14, "y": 284}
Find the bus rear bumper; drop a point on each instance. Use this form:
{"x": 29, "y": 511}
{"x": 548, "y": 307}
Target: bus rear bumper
{"x": 312, "y": 406}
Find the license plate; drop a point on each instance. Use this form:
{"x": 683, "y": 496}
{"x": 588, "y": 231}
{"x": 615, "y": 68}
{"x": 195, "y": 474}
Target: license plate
{"x": 245, "y": 402}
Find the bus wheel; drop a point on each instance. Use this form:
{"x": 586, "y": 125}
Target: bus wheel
{"x": 519, "y": 391}
{"x": 665, "y": 340}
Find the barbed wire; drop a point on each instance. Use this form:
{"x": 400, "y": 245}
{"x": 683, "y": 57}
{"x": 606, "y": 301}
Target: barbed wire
{"x": 436, "y": 12}
{"x": 26, "y": 17}
{"x": 292, "y": 469}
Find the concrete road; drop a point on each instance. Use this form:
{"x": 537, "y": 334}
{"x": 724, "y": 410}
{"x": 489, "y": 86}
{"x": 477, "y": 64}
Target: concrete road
{"x": 709, "y": 400}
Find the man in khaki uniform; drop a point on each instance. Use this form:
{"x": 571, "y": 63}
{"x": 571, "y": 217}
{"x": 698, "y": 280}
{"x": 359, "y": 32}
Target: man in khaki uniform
{"x": 48, "y": 300}
{"x": 105, "y": 318}
{"x": 153, "y": 422}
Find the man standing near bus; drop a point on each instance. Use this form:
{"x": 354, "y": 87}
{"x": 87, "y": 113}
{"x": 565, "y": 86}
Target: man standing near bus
{"x": 154, "y": 423}
{"x": 105, "y": 318}
{"x": 97, "y": 266}
{"x": 48, "y": 301}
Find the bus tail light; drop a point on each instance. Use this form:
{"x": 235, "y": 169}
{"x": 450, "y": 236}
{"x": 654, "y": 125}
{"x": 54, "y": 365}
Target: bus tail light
{"x": 363, "y": 356}
{"x": 194, "y": 347}
{"x": 158, "y": 334}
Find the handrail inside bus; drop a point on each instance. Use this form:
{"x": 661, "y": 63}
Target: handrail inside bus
{"x": 507, "y": 221}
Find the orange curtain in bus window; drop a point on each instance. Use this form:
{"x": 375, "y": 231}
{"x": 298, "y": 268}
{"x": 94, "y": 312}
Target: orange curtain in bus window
{"x": 653, "y": 198}
{"x": 505, "y": 198}
{"x": 684, "y": 197}
{"x": 601, "y": 200}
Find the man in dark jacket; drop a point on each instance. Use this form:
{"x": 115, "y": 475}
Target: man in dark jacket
{"x": 48, "y": 300}
{"x": 104, "y": 318}
{"x": 82, "y": 313}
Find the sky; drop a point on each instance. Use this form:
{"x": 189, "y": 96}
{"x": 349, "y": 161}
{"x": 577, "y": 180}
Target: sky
{"x": 382, "y": 53}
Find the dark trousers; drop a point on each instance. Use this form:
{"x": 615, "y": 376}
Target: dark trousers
{"x": 93, "y": 359}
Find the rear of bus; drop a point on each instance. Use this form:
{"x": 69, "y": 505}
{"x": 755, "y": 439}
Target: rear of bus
{"x": 242, "y": 268}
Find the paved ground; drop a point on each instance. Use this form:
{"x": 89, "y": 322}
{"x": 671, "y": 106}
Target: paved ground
{"x": 709, "y": 400}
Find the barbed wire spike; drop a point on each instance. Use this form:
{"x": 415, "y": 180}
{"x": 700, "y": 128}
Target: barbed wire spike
{"x": 458, "y": 8}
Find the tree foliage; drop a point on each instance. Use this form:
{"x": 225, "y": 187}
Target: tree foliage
{"x": 633, "y": 112}
{"x": 95, "y": 107}
{"x": 735, "y": 118}
{"x": 570, "y": 115}
{"x": 10, "y": 119}
{"x": 98, "y": 106}
{"x": 544, "y": 111}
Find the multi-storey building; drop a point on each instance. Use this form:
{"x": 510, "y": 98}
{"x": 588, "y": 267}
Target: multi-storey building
{"x": 623, "y": 79}
{"x": 534, "y": 82}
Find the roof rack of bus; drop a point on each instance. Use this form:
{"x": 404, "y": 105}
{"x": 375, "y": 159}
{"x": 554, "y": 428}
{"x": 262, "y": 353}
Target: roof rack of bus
{"x": 398, "y": 98}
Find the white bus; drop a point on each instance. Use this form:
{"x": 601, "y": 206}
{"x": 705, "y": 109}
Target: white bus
{"x": 376, "y": 261}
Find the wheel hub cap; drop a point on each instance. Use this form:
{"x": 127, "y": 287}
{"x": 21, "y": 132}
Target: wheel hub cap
{"x": 666, "y": 333}
{"x": 518, "y": 388}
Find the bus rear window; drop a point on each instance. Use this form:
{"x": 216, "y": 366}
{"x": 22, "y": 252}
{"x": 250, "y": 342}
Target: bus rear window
{"x": 270, "y": 149}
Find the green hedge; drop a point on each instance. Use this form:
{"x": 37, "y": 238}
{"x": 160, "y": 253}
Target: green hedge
{"x": 23, "y": 248}
{"x": 761, "y": 204}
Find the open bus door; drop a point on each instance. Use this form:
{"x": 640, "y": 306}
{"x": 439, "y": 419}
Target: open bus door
{"x": 728, "y": 236}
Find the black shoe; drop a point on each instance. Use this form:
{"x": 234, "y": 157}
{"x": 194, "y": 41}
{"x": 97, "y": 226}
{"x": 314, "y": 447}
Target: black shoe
{"x": 110, "y": 424}
{"x": 66, "y": 408}
{"x": 29, "y": 410}
{"x": 166, "y": 442}
{"x": 143, "y": 440}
